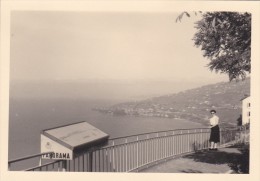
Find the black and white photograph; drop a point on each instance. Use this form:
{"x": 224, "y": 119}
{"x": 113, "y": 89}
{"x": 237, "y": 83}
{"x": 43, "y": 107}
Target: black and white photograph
{"x": 140, "y": 91}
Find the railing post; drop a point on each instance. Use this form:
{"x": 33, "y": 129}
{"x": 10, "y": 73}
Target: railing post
{"x": 157, "y": 147}
{"x": 221, "y": 136}
{"x": 83, "y": 162}
{"x": 90, "y": 161}
{"x": 200, "y": 144}
{"x": 188, "y": 142}
{"x": 137, "y": 154}
{"x": 181, "y": 145}
{"x": 64, "y": 165}
{"x": 195, "y": 142}
{"x": 148, "y": 152}
{"x": 165, "y": 146}
{"x": 126, "y": 153}
{"x": 107, "y": 161}
{"x": 113, "y": 155}
{"x": 40, "y": 161}
{"x": 173, "y": 141}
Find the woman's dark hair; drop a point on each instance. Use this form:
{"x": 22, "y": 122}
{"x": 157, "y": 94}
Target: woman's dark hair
{"x": 213, "y": 111}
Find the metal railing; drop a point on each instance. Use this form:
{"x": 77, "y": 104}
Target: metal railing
{"x": 41, "y": 167}
{"x": 134, "y": 152}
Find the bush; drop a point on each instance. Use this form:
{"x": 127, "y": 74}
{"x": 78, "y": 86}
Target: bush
{"x": 241, "y": 163}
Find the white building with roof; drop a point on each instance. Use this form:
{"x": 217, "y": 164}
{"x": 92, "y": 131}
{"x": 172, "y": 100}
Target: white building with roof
{"x": 246, "y": 105}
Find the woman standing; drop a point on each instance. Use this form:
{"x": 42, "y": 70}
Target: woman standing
{"x": 214, "y": 135}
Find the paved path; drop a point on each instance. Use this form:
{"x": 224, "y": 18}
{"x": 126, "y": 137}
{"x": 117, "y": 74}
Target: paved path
{"x": 222, "y": 161}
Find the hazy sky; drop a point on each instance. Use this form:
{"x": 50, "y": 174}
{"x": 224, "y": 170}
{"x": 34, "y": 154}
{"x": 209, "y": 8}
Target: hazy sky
{"x": 89, "y": 45}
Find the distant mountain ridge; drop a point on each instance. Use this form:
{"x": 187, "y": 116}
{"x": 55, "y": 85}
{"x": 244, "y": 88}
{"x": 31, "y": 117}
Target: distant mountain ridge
{"x": 193, "y": 105}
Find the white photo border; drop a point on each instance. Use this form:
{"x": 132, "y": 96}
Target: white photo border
{"x": 128, "y": 6}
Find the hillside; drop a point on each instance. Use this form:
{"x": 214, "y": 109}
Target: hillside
{"x": 193, "y": 104}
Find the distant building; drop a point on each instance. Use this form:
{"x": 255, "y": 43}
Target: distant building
{"x": 246, "y": 104}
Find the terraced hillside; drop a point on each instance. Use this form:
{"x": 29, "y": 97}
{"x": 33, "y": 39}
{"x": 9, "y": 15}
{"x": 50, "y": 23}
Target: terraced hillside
{"x": 193, "y": 105}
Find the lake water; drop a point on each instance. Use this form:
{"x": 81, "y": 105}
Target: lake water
{"x": 28, "y": 117}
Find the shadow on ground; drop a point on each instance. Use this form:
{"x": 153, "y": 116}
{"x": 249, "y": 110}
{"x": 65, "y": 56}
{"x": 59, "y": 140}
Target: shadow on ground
{"x": 237, "y": 158}
{"x": 191, "y": 171}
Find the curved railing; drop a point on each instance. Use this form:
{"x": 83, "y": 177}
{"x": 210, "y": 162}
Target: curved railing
{"x": 134, "y": 152}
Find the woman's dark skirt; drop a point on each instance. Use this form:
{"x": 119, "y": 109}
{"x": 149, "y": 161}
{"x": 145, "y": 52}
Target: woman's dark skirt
{"x": 214, "y": 135}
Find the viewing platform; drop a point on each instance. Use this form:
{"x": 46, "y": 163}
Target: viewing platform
{"x": 229, "y": 160}
{"x": 170, "y": 151}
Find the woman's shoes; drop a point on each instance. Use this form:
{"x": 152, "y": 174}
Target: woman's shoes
{"x": 211, "y": 149}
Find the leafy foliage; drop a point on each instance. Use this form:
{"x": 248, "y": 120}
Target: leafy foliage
{"x": 179, "y": 18}
{"x": 225, "y": 39}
